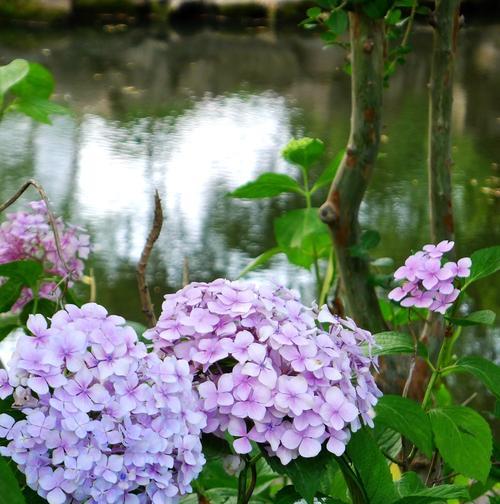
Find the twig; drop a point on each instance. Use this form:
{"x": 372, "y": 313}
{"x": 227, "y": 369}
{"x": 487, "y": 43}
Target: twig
{"x": 146, "y": 303}
{"x": 431, "y": 467}
{"x": 469, "y": 399}
{"x": 52, "y": 220}
{"x": 185, "y": 271}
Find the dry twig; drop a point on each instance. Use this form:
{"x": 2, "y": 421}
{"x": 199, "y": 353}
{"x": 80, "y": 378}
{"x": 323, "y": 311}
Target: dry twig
{"x": 146, "y": 303}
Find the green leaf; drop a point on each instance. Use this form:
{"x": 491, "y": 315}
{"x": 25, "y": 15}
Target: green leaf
{"x": 329, "y": 172}
{"x": 463, "y": 439}
{"x": 313, "y": 12}
{"x": 369, "y": 240}
{"x": 139, "y": 328}
{"x": 372, "y": 468}
{"x": 483, "y": 369}
{"x": 407, "y": 417}
{"x": 486, "y": 317}
{"x": 393, "y": 16}
{"x": 303, "y": 152}
{"x": 288, "y": 495}
{"x": 215, "y": 447}
{"x": 413, "y": 491}
{"x": 393, "y": 343}
{"x": 260, "y": 260}
{"x": 11, "y": 74}
{"x": 5, "y": 330}
{"x": 28, "y": 272}
{"x": 267, "y": 186}
{"x": 11, "y": 493}
{"x": 337, "y": 22}
{"x": 484, "y": 262}
{"x": 9, "y": 293}
{"x": 44, "y": 307}
{"x": 38, "y": 109}
{"x": 38, "y": 83}
{"x": 304, "y": 472}
{"x": 375, "y": 8}
{"x": 302, "y": 236}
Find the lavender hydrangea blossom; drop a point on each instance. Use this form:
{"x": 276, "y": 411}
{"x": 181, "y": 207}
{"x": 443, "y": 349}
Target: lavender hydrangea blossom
{"x": 267, "y": 370}
{"x": 28, "y": 235}
{"x": 104, "y": 421}
{"x": 428, "y": 281}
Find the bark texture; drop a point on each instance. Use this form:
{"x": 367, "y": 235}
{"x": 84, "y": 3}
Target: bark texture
{"x": 340, "y": 211}
{"x": 446, "y": 25}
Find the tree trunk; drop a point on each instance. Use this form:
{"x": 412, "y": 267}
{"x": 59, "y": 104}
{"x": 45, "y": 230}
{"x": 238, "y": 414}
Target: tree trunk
{"x": 446, "y": 24}
{"x": 340, "y": 211}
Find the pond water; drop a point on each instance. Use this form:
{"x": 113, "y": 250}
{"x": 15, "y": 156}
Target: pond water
{"x": 195, "y": 115}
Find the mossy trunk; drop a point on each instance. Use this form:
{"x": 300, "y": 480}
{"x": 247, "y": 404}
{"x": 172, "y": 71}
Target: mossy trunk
{"x": 446, "y": 24}
{"x": 341, "y": 209}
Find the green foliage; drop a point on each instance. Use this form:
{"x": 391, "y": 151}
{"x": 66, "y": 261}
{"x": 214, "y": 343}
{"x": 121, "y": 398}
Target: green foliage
{"x": 10, "y": 492}
{"x": 486, "y": 317}
{"x": 302, "y": 236}
{"x": 412, "y": 491}
{"x": 485, "y": 262}
{"x": 393, "y": 343}
{"x": 368, "y": 240}
{"x": 267, "y": 186}
{"x": 303, "y": 152}
{"x": 407, "y": 417}
{"x": 483, "y": 369}
{"x": 371, "y": 468}
{"x": 26, "y": 88}
{"x": 463, "y": 439}
{"x": 260, "y": 260}
{"x": 27, "y": 272}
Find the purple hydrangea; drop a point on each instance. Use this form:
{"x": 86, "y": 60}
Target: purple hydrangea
{"x": 428, "y": 281}
{"x": 28, "y": 235}
{"x": 104, "y": 421}
{"x": 270, "y": 370}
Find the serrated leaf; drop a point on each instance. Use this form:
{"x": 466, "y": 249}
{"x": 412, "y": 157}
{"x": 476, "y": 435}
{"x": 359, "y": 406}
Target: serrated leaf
{"x": 11, "y": 74}
{"x": 393, "y": 343}
{"x": 463, "y": 439}
{"x": 26, "y": 271}
{"x": 372, "y": 468}
{"x": 337, "y": 22}
{"x": 260, "y": 260}
{"x": 39, "y": 109}
{"x": 328, "y": 174}
{"x": 10, "y": 492}
{"x": 38, "y": 83}
{"x": 304, "y": 472}
{"x": 9, "y": 293}
{"x": 302, "y": 236}
{"x": 483, "y": 369}
{"x": 486, "y": 317}
{"x": 388, "y": 440}
{"x": 303, "y": 152}
{"x": 413, "y": 491}
{"x": 267, "y": 185}
{"x": 484, "y": 262}
{"x": 407, "y": 417}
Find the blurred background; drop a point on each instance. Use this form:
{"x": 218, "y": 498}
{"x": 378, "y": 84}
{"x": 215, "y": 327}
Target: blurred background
{"x": 195, "y": 99}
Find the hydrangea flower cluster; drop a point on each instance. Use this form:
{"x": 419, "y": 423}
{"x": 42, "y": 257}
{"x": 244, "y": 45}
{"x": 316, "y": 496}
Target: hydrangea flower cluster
{"x": 266, "y": 369}
{"x": 427, "y": 282}
{"x": 104, "y": 421}
{"x": 28, "y": 235}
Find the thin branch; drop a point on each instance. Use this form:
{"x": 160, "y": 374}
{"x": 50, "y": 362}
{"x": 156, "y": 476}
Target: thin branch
{"x": 52, "y": 220}
{"x": 253, "y": 482}
{"x": 146, "y": 303}
{"x": 185, "y": 271}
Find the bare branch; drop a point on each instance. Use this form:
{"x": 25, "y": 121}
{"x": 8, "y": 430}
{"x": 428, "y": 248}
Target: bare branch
{"x": 146, "y": 303}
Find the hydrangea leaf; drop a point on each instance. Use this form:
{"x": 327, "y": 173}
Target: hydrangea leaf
{"x": 486, "y": 317}
{"x": 260, "y": 260}
{"x": 484, "y": 262}
{"x": 302, "y": 236}
{"x": 393, "y": 343}
{"x": 329, "y": 172}
{"x": 483, "y": 369}
{"x": 413, "y": 491}
{"x": 37, "y": 83}
{"x": 11, "y": 493}
{"x": 303, "y": 152}
{"x": 9, "y": 293}
{"x": 463, "y": 439}
{"x": 27, "y": 271}
{"x": 408, "y": 418}
{"x": 11, "y": 74}
{"x": 267, "y": 185}
{"x": 372, "y": 468}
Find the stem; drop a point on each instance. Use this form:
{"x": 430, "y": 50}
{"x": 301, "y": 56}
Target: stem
{"x": 242, "y": 484}
{"x": 409, "y": 26}
{"x": 340, "y": 210}
{"x": 355, "y": 485}
{"x": 253, "y": 482}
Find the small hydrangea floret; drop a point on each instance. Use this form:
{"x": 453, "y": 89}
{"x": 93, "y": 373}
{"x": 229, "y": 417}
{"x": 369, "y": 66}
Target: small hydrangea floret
{"x": 428, "y": 280}
{"x": 28, "y": 235}
{"x": 270, "y": 370}
{"x": 102, "y": 420}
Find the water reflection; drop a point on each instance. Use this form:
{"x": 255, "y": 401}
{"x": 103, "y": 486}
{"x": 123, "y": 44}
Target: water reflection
{"x": 195, "y": 116}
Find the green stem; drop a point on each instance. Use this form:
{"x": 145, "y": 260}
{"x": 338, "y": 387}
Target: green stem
{"x": 354, "y": 483}
{"x": 242, "y": 484}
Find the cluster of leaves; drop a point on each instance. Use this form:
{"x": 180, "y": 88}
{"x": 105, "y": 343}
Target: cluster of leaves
{"x": 26, "y": 87}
